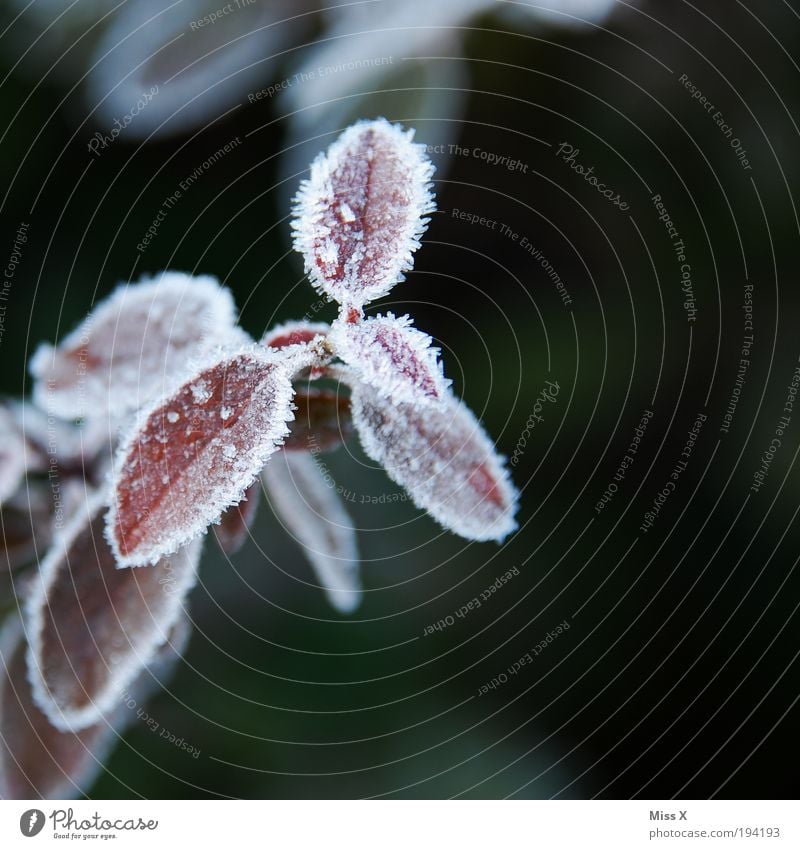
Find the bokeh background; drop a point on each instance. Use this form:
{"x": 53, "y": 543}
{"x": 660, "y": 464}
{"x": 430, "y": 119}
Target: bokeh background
{"x": 678, "y": 674}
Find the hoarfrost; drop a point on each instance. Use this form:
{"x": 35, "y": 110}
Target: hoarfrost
{"x": 234, "y": 526}
{"x": 92, "y": 626}
{"x": 38, "y": 760}
{"x": 443, "y": 458}
{"x": 132, "y": 345}
{"x": 360, "y": 215}
{"x": 209, "y": 465}
{"x": 294, "y": 333}
{"x": 393, "y": 357}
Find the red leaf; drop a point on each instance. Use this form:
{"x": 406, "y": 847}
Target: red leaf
{"x": 92, "y": 626}
{"x": 322, "y": 420}
{"x": 233, "y": 530}
{"x": 131, "y": 346}
{"x": 194, "y": 454}
{"x": 294, "y": 333}
{"x": 361, "y": 213}
{"x": 391, "y": 356}
{"x": 38, "y": 760}
{"x": 443, "y": 458}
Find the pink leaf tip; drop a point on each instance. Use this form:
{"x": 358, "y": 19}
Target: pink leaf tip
{"x": 361, "y": 213}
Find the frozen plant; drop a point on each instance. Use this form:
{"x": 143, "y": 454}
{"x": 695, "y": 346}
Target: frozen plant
{"x": 184, "y": 417}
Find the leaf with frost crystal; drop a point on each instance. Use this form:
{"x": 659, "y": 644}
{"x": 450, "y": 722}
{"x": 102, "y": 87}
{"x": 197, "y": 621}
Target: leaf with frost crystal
{"x": 131, "y": 346}
{"x": 52, "y": 441}
{"x": 313, "y": 513}
{"x": 393, "y": 357}
{"x": 305, "y": 339}
{"x": 194, "y": 454}
{"x": 233, "y": 530}
{"x": 92, "y": 627}
{"x": 294, "y": 333}
{"x": 360, "y": 215}
{"x": 189, "y": 82}
{"x": 443, "y": 458}
{"x": 37, "y": 759}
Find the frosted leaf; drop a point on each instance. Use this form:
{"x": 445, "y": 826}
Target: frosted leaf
{"x": 360, "y": 215}
{"x": 13, "y": 451}
{"x": 208, "y": 461}
{"x": 92, "y": 627}
{"x": 393, "y": 357}
{"x": 37, "y": 759}
{"x": 53, "y": 441}
{"x": 180, "y": 74}
{"x": 233, "y": 529}
{"x": 443, "y": 458}
{"x": 301, "y": 345}
{"x": 313, "y": 513}
{"x": 361, "y": 32}
{"x": 322, "y": 420}
{"x": 294, "y": 333}
{"x": 130, "y": 347}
